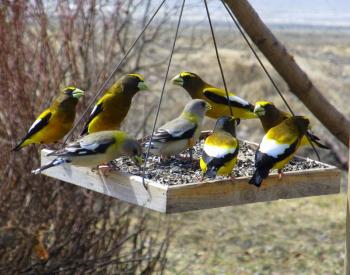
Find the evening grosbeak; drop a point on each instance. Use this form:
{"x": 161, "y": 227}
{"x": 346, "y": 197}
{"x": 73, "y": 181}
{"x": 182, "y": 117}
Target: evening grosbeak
{"x": 55, "y": 122}
{"x": 278, "y": 147}
{"x": 111, "y": 109}
{"x": 198, "y": 88}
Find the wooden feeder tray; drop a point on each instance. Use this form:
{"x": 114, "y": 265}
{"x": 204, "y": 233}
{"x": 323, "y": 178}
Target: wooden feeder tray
{"x": 172, "y": 196}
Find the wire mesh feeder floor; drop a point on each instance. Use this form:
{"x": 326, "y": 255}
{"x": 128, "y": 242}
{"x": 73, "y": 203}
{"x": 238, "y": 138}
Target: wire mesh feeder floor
{"x": 176, "y": 185}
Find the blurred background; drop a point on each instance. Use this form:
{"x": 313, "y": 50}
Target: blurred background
{"x": 47, "y": 226}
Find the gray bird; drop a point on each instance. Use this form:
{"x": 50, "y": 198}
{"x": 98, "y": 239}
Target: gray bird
{"x": 181, "y": 133}
{"x": 96, "y": 149}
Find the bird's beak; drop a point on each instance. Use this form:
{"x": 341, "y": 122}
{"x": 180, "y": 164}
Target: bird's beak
{"x": 177, "y": 80}
{"x": 138, "y": 161}
{"x": 259, "y": 110}
{"x": 77, "y": 93}
{"x": 208, "y": 107}
{"x": 142, "y": 86}
{"x": 237, "y": 121}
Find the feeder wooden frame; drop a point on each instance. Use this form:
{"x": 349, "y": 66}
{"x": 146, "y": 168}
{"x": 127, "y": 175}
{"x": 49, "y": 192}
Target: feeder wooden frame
{"x": 198, "y": 195}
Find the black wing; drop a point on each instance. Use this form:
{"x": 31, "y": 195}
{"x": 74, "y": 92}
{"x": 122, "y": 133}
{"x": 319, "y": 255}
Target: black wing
{"x": 97, "y": 109}
{"x": 80, "y": 148}
{"x": 222, "y": 99}
{"x": 164, "y": 136}
{"x": 39, "y": 124}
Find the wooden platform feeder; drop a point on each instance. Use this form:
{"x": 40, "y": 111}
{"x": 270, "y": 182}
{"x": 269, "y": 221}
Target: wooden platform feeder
{"x": 199, "y": 195}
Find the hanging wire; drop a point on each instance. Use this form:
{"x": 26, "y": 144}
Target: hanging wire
{"x": 257, "y": 57}
{"x": 218, "y": 57}
{"x": 266, "y": 72}
{"x": 115, "y": 69}
{"x": 162, "y": 93}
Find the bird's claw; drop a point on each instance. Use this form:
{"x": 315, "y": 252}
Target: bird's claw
{"x": 280, "y": 174}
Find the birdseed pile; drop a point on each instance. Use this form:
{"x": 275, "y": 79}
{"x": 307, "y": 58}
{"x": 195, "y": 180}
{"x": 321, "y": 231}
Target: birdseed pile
{"x": 180, "y": 170}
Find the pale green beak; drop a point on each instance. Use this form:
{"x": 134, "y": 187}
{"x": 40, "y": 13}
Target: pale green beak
{"x": 177, "y": 80}
{"x": 259, "y": 110}
{"x": 77, "y": 93}
{"x": 208, "y": 106}
{"x": 142, "y": 86}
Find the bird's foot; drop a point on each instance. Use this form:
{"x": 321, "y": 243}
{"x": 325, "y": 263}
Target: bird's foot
{"x": 164, "y": 160}
{"x": 280, "y": 174}
{"x": 104, "y": 168}
{"x": 191, "y": 142}
{"x": 232, "y": 178}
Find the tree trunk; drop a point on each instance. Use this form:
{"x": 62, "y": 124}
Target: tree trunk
{"x": 285, "y": 65}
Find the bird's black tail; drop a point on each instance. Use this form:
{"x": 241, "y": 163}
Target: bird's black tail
{"x": 259, "y": 175}
{"x": 19, "y": 145}
{"x": 211, "y": 172}
{"x": 55, "y": 162}
{"x": 85, "y": 130}
{"x": 316, "y": 140}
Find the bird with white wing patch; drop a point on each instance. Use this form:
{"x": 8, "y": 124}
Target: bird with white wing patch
{"x": 96, "y": 149}
{"x": 181, "y": 133}
{"x": 278, "y": 147}
{"x": 216, "y": 97}
{"x": 220, "y": 149}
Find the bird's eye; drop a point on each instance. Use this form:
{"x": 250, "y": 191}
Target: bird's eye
{"x": 69, "y": 91}
{"x": 203, "y": 104}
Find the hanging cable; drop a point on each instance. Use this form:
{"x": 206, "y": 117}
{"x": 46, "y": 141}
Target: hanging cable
{"x": 266, "y": 72}
{"x": 218, "y": 57}
{"x": 115, "y": 69}
{"x": 257, "y": 57}
{"x": 162, "y": 93}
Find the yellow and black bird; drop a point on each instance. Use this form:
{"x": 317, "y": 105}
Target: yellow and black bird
{"x": 270, "y": 116}
{"x": 111, "y": 109}
{"x": 220, "y": 149}
{"x": 181, "y": 133}
{"x": 54, "y": 122}
{"x": 96, "y": 149}
{"x": 198, "y": 88}
{"x": 278, "y": 147}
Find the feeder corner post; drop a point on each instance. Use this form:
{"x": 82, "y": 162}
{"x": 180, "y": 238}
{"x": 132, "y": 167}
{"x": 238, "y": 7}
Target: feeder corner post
{"x": 347, "y": 231}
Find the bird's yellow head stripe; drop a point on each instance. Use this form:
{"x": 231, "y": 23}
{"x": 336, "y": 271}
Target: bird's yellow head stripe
{"x": 187, "y": 74}
{"x": 140, "y": 77}
{"x": 69, "y": 89}
{"x": 260, "y": 106}
{"x": 263, "y": 103}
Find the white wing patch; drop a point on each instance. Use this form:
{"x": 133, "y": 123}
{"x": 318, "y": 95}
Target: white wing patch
{"x": 93, "y": 110}
{"x": 89, "y": 146}
{"x": 216, "y": 151}
{"x": 239, "y": 100}
{"x": 34, "y": 124}
{"x": 272, "y": 148}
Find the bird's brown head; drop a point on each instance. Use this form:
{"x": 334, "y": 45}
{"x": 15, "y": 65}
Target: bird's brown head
{"x": 132, "y": 83}
{"x": 132, "y": 148}
{"x": 191, "y": 82}
{"x": 69, "y": 96}
{"x": 302, "y": 123}
{"x": 227, "y": 124}
{"x": 265, "y": 108}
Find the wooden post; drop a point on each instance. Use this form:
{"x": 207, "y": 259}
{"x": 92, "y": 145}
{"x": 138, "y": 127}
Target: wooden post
{"x": 347, "y": 231}
{"x": 285, "y": 65}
